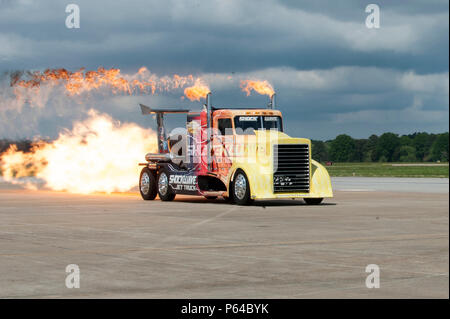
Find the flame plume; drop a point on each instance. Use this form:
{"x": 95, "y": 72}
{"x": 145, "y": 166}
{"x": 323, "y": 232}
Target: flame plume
{"x": 81, "y": 81}
{"x": 261, "y": 87}
{"x": 197, "y": 91}
{"x": 97, "y": 155}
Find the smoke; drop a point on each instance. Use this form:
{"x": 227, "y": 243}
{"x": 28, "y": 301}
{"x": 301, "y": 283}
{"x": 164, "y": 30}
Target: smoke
{"x": 33, "y": 102}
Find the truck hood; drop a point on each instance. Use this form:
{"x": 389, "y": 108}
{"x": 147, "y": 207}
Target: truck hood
{"x": 276, "y": 137}
{"x": 260, "y": 145}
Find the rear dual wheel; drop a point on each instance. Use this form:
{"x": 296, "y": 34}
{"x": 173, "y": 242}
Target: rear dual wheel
{"x": 165, "y": 192}
{"x": 147, "y": 184}
{"x": 151, "y": 184}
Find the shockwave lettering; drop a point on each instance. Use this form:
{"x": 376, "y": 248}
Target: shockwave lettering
{"x": 183, "y": 179}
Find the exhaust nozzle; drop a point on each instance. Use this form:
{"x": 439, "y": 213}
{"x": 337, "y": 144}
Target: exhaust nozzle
{"x": 208, "y": 129}
{"x": 272, "y": 102}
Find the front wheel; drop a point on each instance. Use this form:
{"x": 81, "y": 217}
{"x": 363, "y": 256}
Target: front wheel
{"x": 241, "y": 189}
{"x": 164, "y": 191}
{"x": 147, "y": 184}
{"x": 313, "y": 201}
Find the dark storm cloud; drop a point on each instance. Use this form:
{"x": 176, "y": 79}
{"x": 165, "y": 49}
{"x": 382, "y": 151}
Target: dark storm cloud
{"x": 345, "y": 10}
{"x": 326, "y": 65}
{"x": 221, "y": 36}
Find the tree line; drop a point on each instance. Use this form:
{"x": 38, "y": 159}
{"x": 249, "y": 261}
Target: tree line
{"x": 388, "y": 147}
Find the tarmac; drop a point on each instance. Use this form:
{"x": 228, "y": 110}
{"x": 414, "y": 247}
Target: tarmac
{"x": 392, "y": 184}
{"x": 195, "y": 248}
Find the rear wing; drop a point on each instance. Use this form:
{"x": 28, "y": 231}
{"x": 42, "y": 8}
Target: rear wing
{"x": 148, "y": 110}
{"x": 162, "y": 143}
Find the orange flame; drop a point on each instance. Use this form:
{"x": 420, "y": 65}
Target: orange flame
{"x": 97, "y": 155}
{"x": 261, "y": 87}
{"x": 81, "y": 81}
{"x": 197, "y": 91}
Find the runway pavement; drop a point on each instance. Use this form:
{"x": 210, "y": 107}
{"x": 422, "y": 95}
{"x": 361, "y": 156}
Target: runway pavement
{"x": 194, "y": 248}
{"x": 391, "y": 184}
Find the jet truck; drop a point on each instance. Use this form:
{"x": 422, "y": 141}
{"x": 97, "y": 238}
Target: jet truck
{"x": 240, "y": 154}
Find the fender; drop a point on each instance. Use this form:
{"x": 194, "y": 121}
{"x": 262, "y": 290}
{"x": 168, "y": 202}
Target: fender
{"x": 259, "y": 177}
{"x": 320, "y": 181}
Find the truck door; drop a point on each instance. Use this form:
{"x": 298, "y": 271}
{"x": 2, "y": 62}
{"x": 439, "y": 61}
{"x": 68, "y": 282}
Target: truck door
{"x": 223, "y": 144}
{"x": 194, "y": 141}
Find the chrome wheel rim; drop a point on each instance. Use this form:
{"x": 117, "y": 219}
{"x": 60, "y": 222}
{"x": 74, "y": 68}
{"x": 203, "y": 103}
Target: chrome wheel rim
{"x": 163, "y": 184}
{"x": 240, "y": 187}
{"x": 145, "y": 183}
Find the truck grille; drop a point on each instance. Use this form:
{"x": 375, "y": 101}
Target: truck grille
{"x": 291, "y": 164}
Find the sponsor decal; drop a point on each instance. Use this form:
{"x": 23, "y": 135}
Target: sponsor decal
{"x": 248, "y": 118}
{"x": 183, "y": 182}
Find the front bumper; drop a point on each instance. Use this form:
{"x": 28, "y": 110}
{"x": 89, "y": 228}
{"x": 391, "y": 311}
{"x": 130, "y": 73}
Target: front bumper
{"x": 261, "y": 185}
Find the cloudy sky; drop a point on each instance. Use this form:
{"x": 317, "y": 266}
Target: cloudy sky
{"x": 331, "y": 73}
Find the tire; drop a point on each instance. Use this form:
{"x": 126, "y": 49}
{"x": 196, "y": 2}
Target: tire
{"x": 147, "y": 184}
{"x": 240, "y": 189}
{"x": 211, "y": 197}
{"x": 165, "y": 193}
{"x": 313, "y": 201}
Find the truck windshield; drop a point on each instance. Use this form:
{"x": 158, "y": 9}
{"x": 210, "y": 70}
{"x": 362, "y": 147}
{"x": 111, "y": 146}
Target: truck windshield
{"x": 246, "y": 125}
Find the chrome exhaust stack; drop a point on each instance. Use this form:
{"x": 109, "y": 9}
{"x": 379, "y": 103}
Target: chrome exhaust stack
{"x": 157, "y": 157}
{"x": 272, "y": 103}
{"x": 208, "y": 129}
